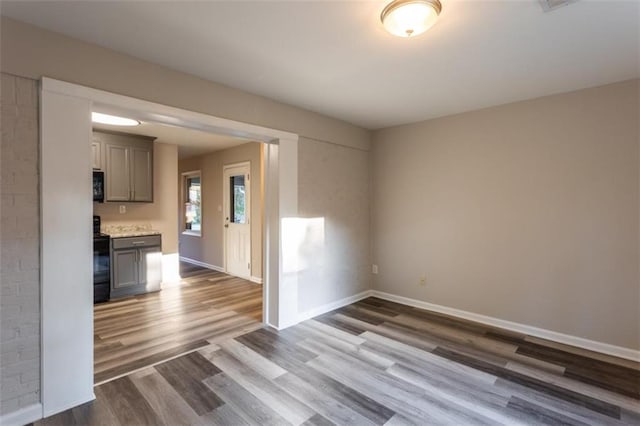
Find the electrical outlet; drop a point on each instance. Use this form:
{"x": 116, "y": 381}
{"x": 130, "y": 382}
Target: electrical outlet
{"x": 423, "y": 280}
{"x": 374, "y": 269}
{"x": 123, "y": 209}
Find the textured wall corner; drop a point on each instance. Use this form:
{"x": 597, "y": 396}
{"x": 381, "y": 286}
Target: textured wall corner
{"x": 334, "y": 205}
{"x": 19, "y": 245}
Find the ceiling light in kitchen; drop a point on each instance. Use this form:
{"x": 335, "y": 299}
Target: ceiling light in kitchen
{"x": 113, "y": 120}
{"x": 407, "y": 18}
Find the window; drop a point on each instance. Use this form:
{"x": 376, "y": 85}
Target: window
{"x": 238, "y": 201}
{"x": 192, "y": 203}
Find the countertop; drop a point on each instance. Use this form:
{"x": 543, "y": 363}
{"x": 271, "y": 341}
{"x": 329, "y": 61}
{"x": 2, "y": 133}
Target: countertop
{"x": 124, "y": 231}
{"x": 134, "y": 234}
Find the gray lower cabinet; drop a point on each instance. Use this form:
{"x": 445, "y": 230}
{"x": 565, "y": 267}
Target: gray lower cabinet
{"x": 125, "y": 270}
{"x": 136, "y": 265}
{"x": 150, "y": 266}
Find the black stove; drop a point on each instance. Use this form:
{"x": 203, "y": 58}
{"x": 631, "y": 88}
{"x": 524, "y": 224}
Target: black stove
{"x": 101, "y": 263}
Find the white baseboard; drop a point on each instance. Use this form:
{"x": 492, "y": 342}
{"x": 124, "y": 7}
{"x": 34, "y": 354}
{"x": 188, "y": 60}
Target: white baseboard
{"x": 555, "y": 336}
{"x": 283, "y": 326}
{"x": 268, "y": 324}
{"x": 331, "y": 306}
{"x": 68, "y": 405}
{"x": 203, "y": 264}
{"x": 256, "y": 280}
{"x": 566, "y": 339}
{"x": 323, "y": 309}
{"x": 23, "y": 416}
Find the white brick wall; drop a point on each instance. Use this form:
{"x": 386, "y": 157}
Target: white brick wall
{"x": 19, "y": 245}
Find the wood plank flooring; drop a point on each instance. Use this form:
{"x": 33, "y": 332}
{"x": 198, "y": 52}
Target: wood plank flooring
{"x": 370, "y": 363}
{"x": 188, "y": 270}
{"x": 143, "y": 330}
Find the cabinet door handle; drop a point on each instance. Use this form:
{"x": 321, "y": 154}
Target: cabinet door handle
{"x": 137, "y": 243}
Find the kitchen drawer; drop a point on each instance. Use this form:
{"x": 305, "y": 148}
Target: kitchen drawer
{"x": 136, "y": 265}
{"x": 136, "y": 242}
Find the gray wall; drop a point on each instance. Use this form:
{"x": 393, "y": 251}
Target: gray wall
{"x": 19, "y": 245}
{"x": 33, "y": 52}
{"x": 30, "y": 52}
{"x": 209, "y": 247}
{"x": 527, "y": 212}
{"x": 334, "y": 197}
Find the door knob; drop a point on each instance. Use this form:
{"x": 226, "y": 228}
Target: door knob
{"x": 226, "y": 225}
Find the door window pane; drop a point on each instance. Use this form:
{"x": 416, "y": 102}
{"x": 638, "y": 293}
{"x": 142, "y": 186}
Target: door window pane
{"x": 193, "y": 213}
{"x": 238, "y": 201}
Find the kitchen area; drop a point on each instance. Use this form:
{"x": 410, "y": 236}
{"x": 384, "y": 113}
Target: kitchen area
{"x": 127, "y": 255}
{"x": 127, "y": 261}
{"x": 145, "y": 310}
{"x": 139, "y": 200}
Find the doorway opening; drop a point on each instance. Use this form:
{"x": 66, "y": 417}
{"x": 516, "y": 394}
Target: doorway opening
{"x": 66, "y": 257}
{"x": 222, "y": 221}
{"x": 156, "y": 308}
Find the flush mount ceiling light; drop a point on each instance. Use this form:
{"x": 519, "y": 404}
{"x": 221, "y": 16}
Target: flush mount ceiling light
{"x": 113, "y": 120}
{"x": 407, "y": 18}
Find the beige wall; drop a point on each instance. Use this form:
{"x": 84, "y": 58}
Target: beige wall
{"x": 209, "y": 247}
{"x": 527, "y": 212}
{"x": 162, "y": 213}
{"x": 19, "y": 245}
{"x": 32, "y": 52}
{"x": 334, "y": 200}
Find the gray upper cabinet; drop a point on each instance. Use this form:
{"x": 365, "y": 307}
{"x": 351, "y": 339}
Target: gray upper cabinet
{"x": 142, "y": 174}
{"x": 128, "y": 166}
{"x": 118, "y": 173}
{"x": 96, "y": 155}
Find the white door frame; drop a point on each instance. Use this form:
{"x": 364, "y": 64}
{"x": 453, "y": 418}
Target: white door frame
{"x": 225, "y": 206}
{"x": 67, "y": 381}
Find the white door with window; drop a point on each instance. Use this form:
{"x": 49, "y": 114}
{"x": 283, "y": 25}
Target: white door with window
{"x": 237, "y": 221}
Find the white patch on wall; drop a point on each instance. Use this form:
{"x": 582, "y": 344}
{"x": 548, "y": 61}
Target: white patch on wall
{"x": 549, "y": 5}
{"x": 170, "y": 269}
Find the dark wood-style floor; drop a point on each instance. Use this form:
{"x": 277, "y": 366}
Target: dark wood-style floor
{"x": 143, "y": 330}
{"x": 373, "y": 362}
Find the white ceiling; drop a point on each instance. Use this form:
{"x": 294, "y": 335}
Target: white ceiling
{"x": 334, "y": 57}
{"x": 190, "y": 142}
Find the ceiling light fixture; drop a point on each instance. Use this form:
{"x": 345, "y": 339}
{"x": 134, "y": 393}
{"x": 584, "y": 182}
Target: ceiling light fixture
{"x": 113, "y": 120}
{"x": 407, "y": 18}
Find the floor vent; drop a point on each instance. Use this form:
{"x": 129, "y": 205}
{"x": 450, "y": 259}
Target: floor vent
{"x": 549, "y": 5}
